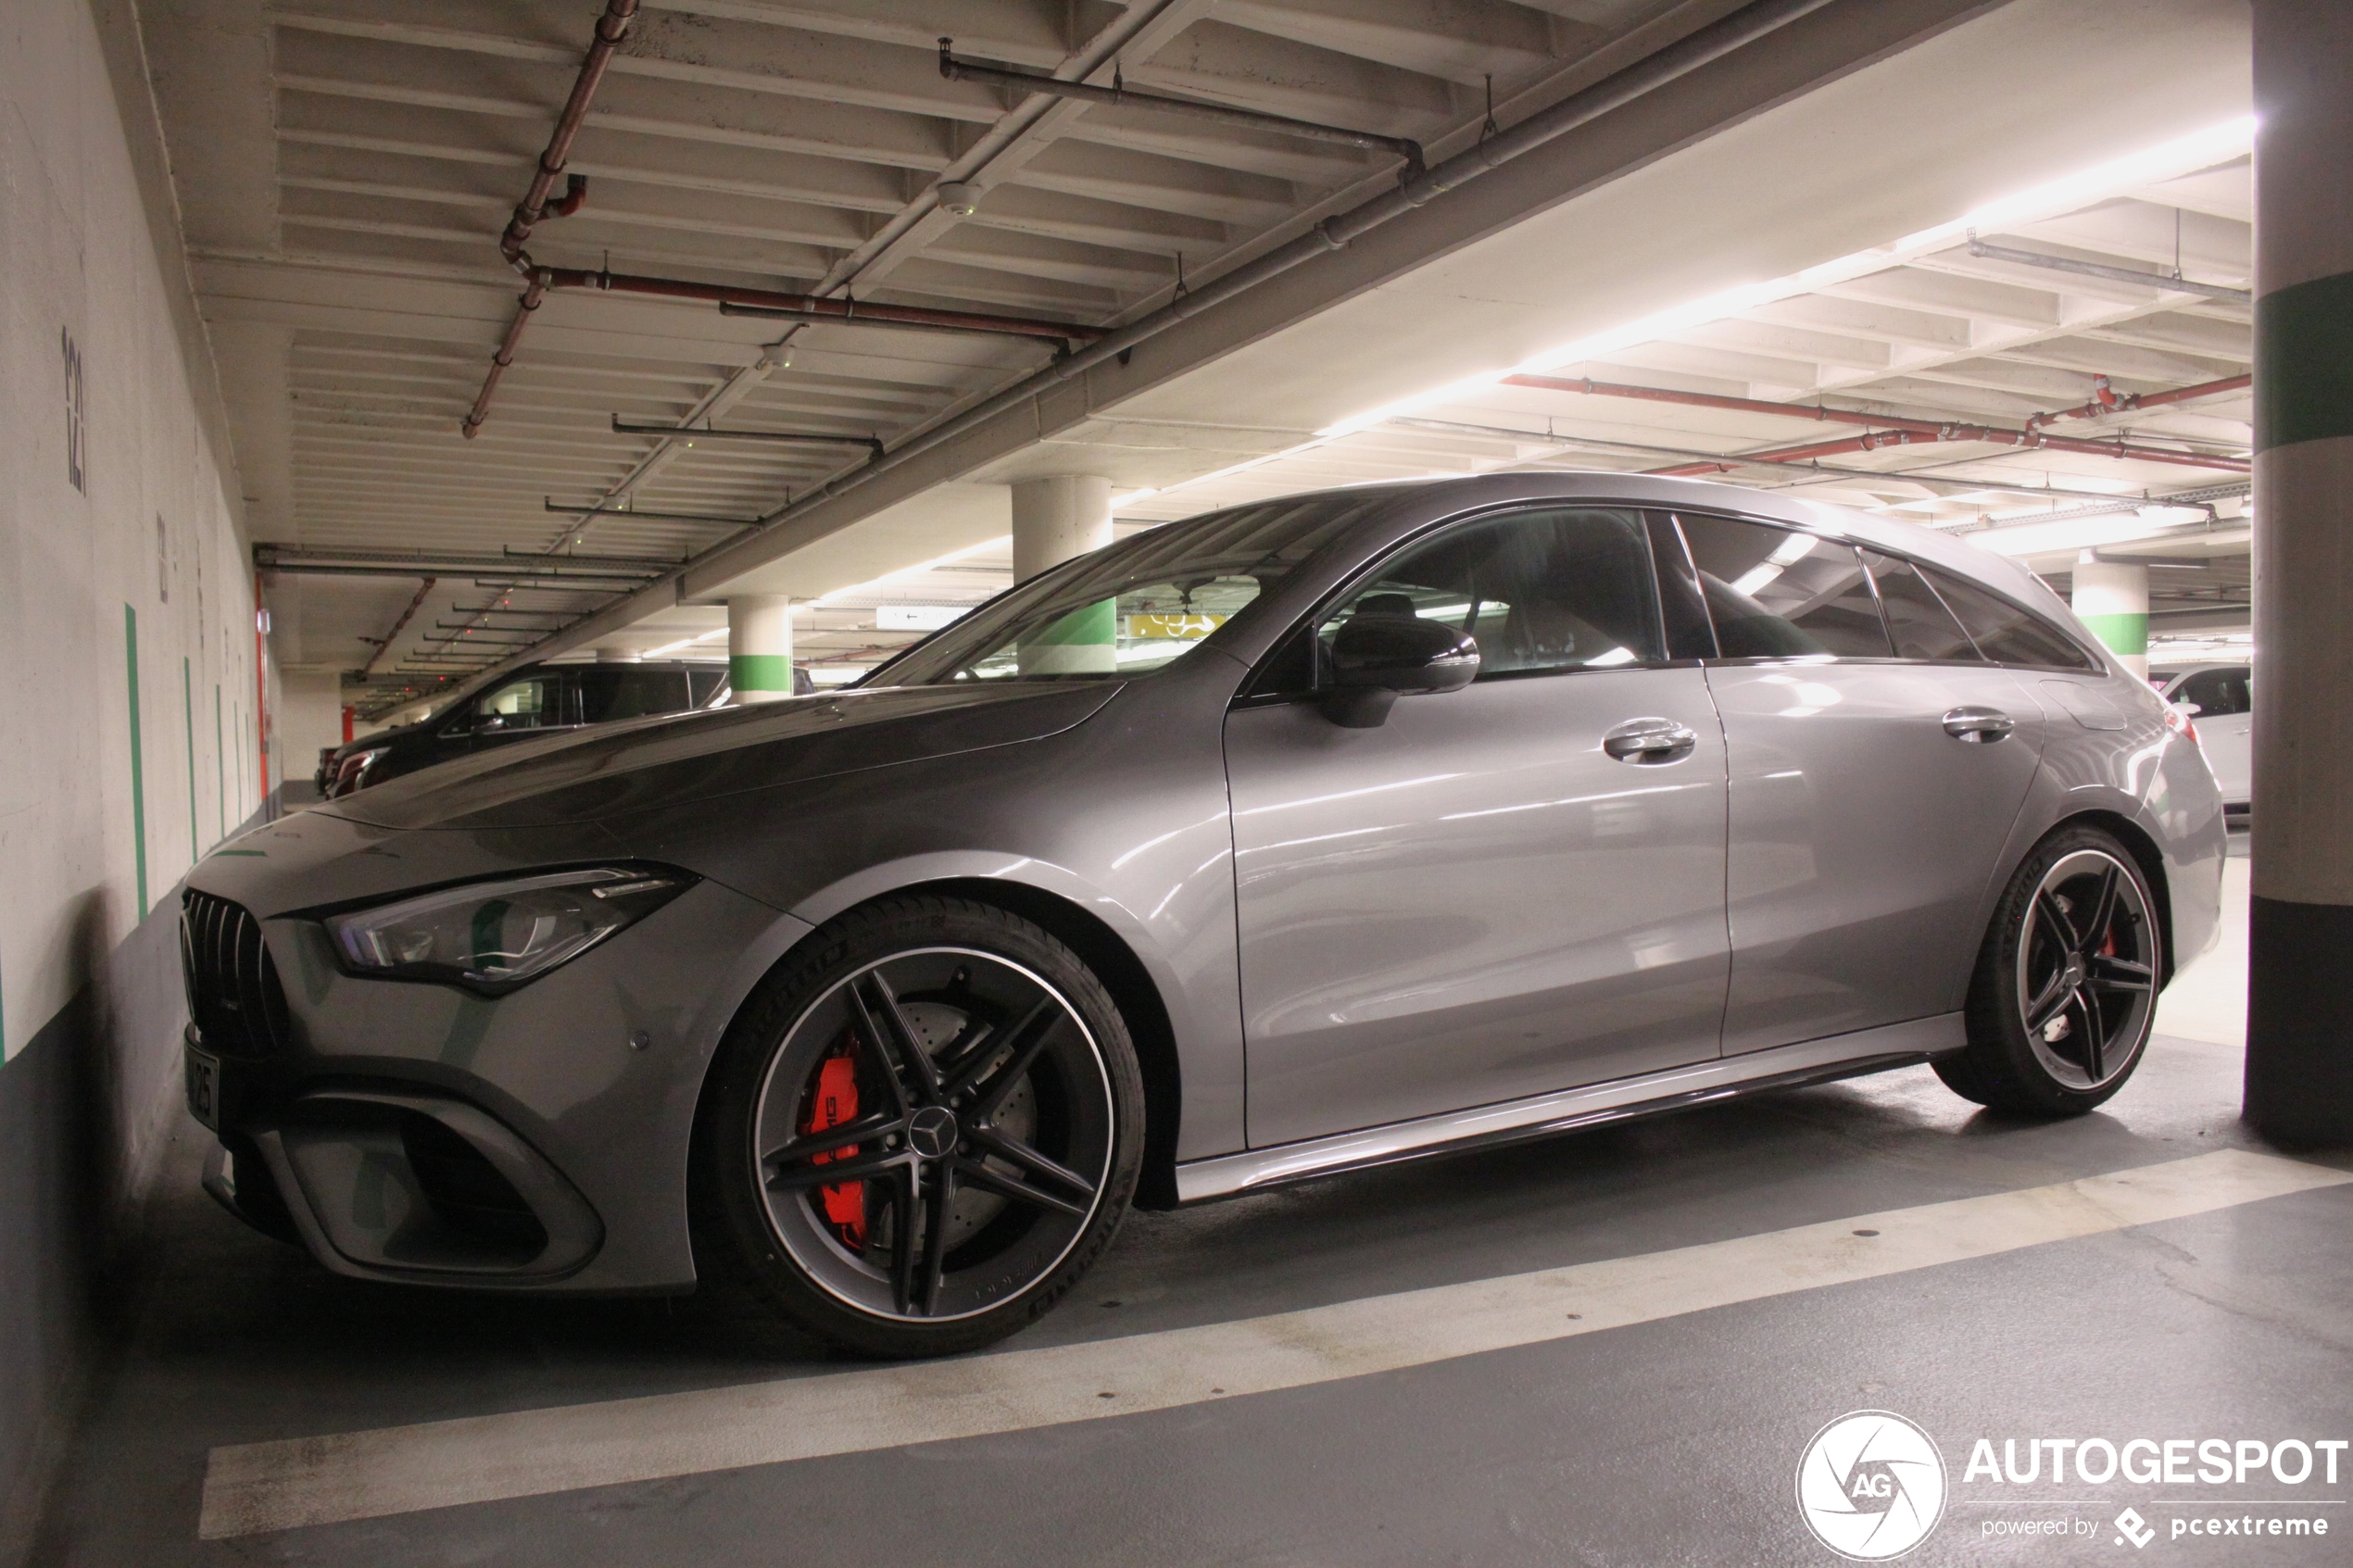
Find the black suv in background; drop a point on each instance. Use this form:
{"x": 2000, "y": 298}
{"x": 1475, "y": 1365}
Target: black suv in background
{"x": 533, "y": 701}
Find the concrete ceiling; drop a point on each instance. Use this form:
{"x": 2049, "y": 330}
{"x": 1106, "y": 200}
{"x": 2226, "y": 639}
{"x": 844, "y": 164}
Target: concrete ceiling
{"x": 345, "y": 166}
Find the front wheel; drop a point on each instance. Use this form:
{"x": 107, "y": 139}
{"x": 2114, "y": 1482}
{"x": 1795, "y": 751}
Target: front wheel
{"x": 921, "y": 1135}
{"x": 2065, "y": 993}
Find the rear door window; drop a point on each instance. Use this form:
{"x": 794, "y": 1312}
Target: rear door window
{"x": 1774, "y": 592}
{"x": 1562, "y": 588}
{"x": 1923, "y": 628}
{"x": 616, "y": 691}
{"x": 2005, "y": 633}
{"x": 2217, "y": 693}
{"x": 534, "y": 702}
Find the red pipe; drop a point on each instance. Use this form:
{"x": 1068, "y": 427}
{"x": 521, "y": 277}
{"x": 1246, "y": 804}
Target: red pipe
{"x": 529, "y": 302}
{"x": 1806, "y": 454}
{"x": 2145, "y": 400}
{"x": 609, "y": 27}
{"x": 1932, "y": 429}
{"x": 390, "y": 637}
{"x": 260, "y": 695}
{"x": 535, "y": 204}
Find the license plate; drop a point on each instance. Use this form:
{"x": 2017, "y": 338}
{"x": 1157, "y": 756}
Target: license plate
{"x": 203, "y": 1087}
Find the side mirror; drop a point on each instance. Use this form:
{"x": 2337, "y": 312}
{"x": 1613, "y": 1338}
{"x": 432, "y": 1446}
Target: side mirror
{"x": 1376, "y": 659}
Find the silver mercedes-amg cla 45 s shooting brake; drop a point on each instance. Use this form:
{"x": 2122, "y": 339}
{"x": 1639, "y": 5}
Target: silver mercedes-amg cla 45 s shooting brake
{"x": 1287, "y": 840}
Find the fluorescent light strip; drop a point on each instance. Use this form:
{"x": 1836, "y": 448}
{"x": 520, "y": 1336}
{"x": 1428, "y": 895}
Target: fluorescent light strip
{"x": 1002, "y": 541}
{"x": 684, "y": 643}
{"x": 2168, "y": 161}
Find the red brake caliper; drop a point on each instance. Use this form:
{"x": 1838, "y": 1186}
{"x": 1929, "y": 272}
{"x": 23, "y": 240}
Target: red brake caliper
{"x": 835, "y": 1101}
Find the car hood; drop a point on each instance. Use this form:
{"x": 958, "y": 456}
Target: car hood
{"x": 678, "y": 758}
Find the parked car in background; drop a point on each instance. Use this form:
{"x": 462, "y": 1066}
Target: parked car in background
{"x": 536, "y": 700}
{"x": 1296, "y": 838}
{"x": 2219, "y": 701}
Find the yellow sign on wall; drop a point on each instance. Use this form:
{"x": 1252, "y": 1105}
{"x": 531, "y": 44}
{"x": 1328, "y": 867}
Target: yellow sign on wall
{"x": 1185, "y": 628}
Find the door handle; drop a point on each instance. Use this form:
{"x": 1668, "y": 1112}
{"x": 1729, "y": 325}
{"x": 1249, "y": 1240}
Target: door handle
{"x": 1979, "y": 726}
{"x": 1650, "y": 741}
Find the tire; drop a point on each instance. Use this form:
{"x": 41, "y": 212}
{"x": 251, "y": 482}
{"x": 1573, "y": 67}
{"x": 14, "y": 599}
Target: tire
{"x": 975, "y": 1081}
{"x": 2064, "y": 994}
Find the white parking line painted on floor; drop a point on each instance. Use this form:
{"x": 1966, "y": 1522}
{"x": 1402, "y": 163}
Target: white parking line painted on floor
{"x": 258, "y": 1486}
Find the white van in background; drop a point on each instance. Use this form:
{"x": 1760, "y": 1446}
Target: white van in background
{"x": 2216, "y": 697}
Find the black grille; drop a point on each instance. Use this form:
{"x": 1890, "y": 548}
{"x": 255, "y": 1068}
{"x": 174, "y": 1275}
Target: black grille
{"x": 234, "y": 993}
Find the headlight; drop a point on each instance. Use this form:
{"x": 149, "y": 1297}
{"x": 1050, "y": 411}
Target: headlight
{"x": 492, "y": 936}
{"x": 352, "y": 771}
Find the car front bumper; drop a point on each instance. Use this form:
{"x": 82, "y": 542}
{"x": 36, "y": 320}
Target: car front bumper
{"x": 416, "y": 1132}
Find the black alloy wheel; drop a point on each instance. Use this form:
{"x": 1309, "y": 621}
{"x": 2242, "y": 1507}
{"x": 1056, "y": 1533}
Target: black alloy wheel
{"x": 918, "y": 1139}
{"x": 2064, "y": 994}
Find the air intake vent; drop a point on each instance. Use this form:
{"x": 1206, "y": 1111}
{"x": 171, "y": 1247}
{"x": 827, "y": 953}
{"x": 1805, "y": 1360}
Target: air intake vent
{"x": 234, "y": 993}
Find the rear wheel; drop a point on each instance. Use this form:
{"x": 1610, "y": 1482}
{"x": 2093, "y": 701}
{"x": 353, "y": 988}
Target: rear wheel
{"x": 920, "y": 1136}
{"x": 2065, "y": 992}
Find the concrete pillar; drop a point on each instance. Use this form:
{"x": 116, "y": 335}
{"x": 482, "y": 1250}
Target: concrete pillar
{"x": 759, "y": 648}
{"x": 2112, "y": 598}
{"x": 1054, "y": 520}
{"x": 2299, "y": 1035}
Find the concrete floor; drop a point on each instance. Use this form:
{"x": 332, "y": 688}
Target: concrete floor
{"x": 1670, "y": 1439}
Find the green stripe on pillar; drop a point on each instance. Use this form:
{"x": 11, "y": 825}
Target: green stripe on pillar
{"x": 188, "y": 706}
{"x": 2304, "y": 362}
{"x": 1091, "y": 625}
{"x": 759, "y": 671}
{"x": 138, "y": 783}
{"x": 2119, "y": 633}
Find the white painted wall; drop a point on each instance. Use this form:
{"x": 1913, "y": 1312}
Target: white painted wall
{"x": 147, "y": 543}
{"x": 310, "y": 716}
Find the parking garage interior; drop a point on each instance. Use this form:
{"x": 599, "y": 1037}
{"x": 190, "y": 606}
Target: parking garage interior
{"x": 367, "y": 358}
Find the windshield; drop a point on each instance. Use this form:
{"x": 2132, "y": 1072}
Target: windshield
{"x": 1136, "y": 606}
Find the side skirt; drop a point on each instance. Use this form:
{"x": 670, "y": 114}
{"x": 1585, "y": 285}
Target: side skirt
{"x": 1653, "y": 1094}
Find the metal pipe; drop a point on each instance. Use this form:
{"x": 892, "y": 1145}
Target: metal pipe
{"x": 1869, "y": 443}
{"x": 547, "y": 503}
{"x": 609, "y": 27}
{"x": 1120, "y": 94}
{"x": 1641, "y": 449}
{"x": 583, "y": 582}
{"x": 691, "y": 435}
{"x": 815, "y": 307}
{"x": 1944, "y": 430}
{"x": 851, "y": 312}
{"x": 369, "y": 668}
{"x": 535, "y": 291}
{"x": 2117, "y": 274}
{"x": 1696, "y": 50}
{"x": 280, "y": 558}
{"x": 2134, "y": 400}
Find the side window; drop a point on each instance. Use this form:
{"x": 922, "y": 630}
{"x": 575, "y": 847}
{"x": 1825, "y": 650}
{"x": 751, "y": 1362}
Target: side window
{"x": 1564, "y": 588}
{"x": 2004, "y": 632}
{"x": 1916, "y": 619}
{"x": 2217, "y": 693}
{"x": 1774, "y": 592}
{"x": 616, "y": 691}
{"x": 532, "y": 703}
{"x": 703, "y": 684}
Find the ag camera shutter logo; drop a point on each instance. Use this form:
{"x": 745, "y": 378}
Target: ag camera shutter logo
{"x": 1870, "y": 1486}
